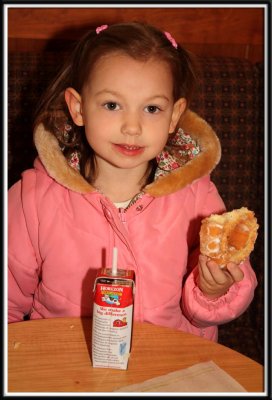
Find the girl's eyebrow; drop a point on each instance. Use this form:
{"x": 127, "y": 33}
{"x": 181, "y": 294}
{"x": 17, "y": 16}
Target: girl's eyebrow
{"x": 106, "y": 91}
{"x": 114, "y": 93}
{"x": 159, "y": 96}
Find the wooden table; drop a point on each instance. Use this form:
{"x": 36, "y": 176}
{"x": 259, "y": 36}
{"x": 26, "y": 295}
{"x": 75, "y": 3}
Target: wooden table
{"x": 53, "y": 355}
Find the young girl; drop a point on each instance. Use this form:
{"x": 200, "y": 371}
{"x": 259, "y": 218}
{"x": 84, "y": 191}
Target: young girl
{"x": 122, "y": 162}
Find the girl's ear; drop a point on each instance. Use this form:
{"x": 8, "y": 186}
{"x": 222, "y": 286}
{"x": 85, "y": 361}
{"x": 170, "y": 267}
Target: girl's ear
{"x": 178, "y": 110}
{"x": 73, "y": 101}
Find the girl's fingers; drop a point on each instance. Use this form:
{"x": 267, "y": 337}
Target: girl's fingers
{"x": 212, "y": 273}
{"x": 235, "y": 271}
{"x": 204, "y": 270}
{"x": 219, "y": 275}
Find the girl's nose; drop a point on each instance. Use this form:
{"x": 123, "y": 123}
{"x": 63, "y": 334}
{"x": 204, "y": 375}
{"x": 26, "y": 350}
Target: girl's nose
{"x": 131, "y": 125}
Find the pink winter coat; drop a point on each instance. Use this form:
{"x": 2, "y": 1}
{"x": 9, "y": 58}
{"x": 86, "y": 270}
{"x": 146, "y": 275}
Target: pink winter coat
{"x": 61, "y": 230}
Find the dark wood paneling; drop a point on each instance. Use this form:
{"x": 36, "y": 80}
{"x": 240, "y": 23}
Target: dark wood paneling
{"x": 236, "y": 32}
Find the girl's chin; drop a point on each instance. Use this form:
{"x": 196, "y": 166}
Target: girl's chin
{"x": 129, "y": 164}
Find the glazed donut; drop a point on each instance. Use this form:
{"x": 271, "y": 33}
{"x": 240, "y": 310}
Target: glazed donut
{"x": 229, "y": 237}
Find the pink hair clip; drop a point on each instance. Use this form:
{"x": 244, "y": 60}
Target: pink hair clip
{"x": 101, "y": 28}
{"x": 171, "y": 39}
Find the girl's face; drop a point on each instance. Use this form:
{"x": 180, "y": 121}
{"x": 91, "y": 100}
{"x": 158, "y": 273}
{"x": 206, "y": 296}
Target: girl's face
{"x": 127, "y": 109}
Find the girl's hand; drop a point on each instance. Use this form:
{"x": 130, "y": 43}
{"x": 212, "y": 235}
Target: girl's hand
{"x": 214, "y": 281}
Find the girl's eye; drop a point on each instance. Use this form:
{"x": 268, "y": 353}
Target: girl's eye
{"x": 112, "y": 106}
{"x": 152, "y": 109}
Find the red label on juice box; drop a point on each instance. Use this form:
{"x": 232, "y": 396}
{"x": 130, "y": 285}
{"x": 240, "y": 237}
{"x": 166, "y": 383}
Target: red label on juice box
{"x": 112, "y": 319}
{"x": 113, "y": 296}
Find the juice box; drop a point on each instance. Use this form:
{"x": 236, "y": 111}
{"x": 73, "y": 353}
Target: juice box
{"x": 112, "y": 318}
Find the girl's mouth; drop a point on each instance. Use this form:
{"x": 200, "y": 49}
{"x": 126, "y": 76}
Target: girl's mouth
{"x": 129, "y": 150}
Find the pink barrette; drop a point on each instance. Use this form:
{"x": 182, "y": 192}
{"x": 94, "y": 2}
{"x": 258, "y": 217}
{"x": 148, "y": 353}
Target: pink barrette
{"x": 171, "y": 39}
{"x": 101, "y": 28}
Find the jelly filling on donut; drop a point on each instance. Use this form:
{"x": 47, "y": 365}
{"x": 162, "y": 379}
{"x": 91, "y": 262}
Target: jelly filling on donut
{"x": 238, "y": 237}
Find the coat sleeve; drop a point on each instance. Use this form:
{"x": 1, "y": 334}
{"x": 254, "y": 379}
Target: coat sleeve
{"x": 204, "y": 312}
{"x": 23, "y": 255}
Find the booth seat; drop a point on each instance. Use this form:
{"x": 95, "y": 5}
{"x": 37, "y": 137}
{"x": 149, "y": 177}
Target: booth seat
{"x": 229, "y": 97}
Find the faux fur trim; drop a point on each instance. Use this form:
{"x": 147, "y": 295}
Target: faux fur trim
{"x": 56, "y": 164}
{"x": 199, "y": 166}
{"x": 58, "y": 168}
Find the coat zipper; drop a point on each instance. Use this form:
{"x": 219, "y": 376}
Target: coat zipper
{"x": 122, "y": 215}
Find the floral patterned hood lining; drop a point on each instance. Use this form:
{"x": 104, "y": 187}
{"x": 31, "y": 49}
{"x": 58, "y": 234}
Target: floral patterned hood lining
{"x": 180, "y": 148}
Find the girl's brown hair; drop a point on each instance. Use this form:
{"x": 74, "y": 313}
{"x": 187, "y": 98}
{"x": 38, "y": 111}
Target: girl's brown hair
{"x": 138, "y": 40}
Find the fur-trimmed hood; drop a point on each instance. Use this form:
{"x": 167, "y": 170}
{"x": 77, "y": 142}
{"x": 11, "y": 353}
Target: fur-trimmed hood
{"x": 200, "y": 165}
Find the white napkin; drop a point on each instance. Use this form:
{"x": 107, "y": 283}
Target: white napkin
{"x": 202, "y": 377}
